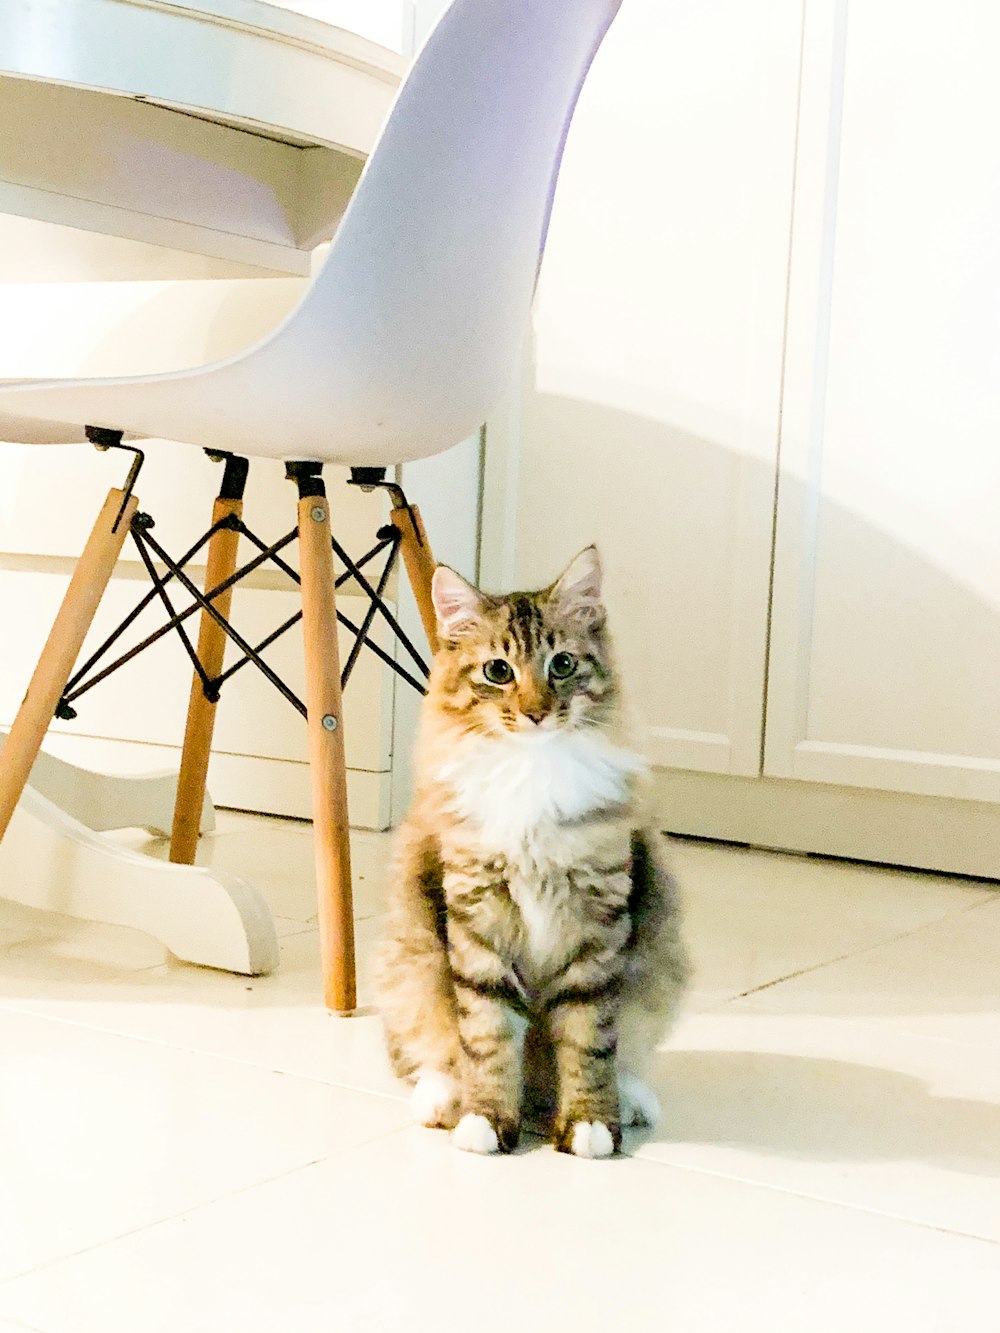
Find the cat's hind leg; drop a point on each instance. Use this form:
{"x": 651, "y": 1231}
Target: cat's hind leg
{"x": 414, "y": 988}
{"x": 657, "y": 975}
{"x": 435, "y": 1099}
{"x": 641, "y": 1027}
{"x": 417, "y": 1007}
{"x": 643, "y": 1023}
{"x": 638, "y": 1103}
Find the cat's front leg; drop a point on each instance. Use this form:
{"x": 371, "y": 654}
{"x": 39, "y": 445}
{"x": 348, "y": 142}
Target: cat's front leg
{"x": 488, "y": 1030}
{"x": 583, "y": 1028}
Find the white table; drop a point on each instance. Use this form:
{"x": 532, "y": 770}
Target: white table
{"x": 228, "y": 127}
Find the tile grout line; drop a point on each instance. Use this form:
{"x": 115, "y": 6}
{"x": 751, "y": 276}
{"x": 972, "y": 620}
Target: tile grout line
{"x": 813, "y": 1198}
{"x": 194, "y": 1050}
{"x": 855, "y": 953}
{"x": 34, "y": 1269}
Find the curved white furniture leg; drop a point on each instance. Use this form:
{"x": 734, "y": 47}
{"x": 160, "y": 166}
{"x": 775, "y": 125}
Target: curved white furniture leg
{"x": 50, "y": 860}
{"x": 103, "y": 801}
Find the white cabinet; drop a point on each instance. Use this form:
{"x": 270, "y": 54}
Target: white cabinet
{"x": 885, "y": 633}
{"x": 765, "y": 374}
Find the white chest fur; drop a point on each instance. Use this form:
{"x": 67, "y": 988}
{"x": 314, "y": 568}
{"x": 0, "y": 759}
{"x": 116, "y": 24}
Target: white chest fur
{"x": 515, "y": 791}
{"x": 543, "y": 911}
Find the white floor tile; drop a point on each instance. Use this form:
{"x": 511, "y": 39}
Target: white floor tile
{"x": 101, "y": 1134}
{"x": 32, "y": 941}
{"x": 828, "y": 1157}
{"x": 890, "y": 1123}
{"x": 942, "y": 981}
{"x": 753, "y": 917}
{"x": 410, "y": 1234}
{"x": 278, "y": 1022}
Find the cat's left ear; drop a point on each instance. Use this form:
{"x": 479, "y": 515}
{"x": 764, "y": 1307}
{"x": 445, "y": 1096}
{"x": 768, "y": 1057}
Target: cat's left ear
{"x": 577, "y": 591}
{"x": 459, "y": 606}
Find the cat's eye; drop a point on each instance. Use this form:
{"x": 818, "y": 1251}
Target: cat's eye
{"x": 562, "y": 666}
{"x": 498, "y": 672}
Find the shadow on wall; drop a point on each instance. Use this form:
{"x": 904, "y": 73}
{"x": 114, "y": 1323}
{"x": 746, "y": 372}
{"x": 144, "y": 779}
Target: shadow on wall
{"x": 678, "y": 523}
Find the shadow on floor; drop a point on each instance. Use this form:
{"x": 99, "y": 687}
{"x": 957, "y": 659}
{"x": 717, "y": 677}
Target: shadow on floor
{"x": 803, "y": 1107}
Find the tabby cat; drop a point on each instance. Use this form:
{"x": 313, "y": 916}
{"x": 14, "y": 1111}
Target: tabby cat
{"x": 533, "y": 958}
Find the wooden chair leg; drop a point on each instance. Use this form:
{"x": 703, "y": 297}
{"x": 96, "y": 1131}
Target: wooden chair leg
{"x": 420, "y": 566}
{"x": 62, "y": 648}
{"x": 326, "y": 752}
{"x": 223, "y": 549}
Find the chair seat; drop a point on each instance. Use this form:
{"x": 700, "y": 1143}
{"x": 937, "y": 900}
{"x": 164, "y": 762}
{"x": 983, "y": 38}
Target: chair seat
{"x": 248, "y": 406}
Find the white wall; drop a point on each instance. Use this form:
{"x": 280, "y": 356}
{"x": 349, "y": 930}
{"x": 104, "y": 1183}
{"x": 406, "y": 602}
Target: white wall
{"x": 382, "y": 21}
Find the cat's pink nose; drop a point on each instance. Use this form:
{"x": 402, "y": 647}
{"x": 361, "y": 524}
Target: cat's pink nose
{"x": 537, "y": 718}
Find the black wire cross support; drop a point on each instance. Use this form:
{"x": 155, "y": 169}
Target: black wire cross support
{"x": 92, "y": 672}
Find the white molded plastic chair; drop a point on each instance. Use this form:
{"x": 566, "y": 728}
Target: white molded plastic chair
{"x": 404, "y": 341}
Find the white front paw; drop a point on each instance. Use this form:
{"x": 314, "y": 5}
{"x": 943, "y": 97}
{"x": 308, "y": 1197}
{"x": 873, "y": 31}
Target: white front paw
{"x": 592, "y": 1140}
{"x": 474, "y": 1133}
{"x": 637, "y": 1101}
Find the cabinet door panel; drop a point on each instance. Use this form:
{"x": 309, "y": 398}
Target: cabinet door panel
{"x": 651, "y": 425}
{"x": 885, "y": 646}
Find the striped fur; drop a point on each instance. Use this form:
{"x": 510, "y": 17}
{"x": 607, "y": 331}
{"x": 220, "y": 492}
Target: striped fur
{"x": 534, "y": 949}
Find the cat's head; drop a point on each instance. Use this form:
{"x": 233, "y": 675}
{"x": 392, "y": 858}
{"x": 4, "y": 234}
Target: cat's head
{"x": 531, "y": 663}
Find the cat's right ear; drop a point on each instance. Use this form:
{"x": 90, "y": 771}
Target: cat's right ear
{"x": 459, "y": 606}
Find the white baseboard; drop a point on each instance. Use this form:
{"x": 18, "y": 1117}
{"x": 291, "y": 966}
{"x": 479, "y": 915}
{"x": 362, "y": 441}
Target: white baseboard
{"x": 928, "y": 833}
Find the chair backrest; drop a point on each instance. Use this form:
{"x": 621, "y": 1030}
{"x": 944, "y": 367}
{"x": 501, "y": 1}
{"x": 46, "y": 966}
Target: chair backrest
{"x": 412, "y": 328}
